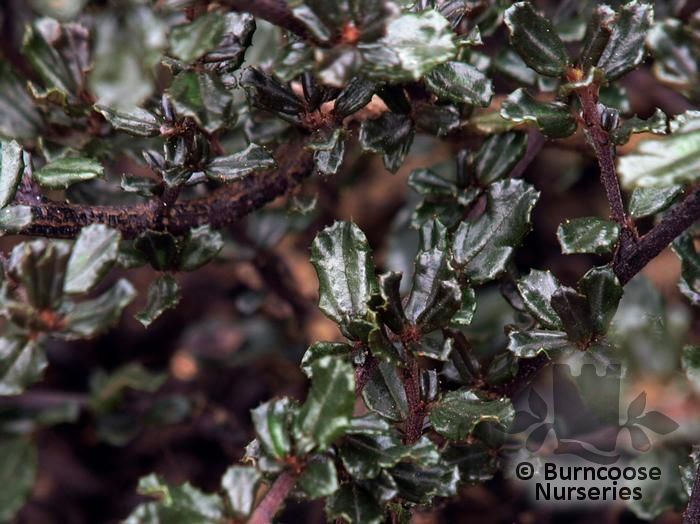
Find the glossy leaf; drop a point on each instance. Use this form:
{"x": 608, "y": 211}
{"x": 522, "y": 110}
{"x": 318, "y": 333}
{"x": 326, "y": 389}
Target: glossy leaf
{"x": 625, "y": 48}
{"x": 665, "y": 161}
{"x": 355, "y": 505}
{"x": 656, "y": 123}
{"x": 22, "y": 362}
{"x": 388, "y": 303}
{"x": 239, "y": 165}
{"x": 483, "y": 246}
{"x": 18, "y": 471}
{"x": 268, "y": 93}
{"x": 603, "y": 290}
{"x": 690, "y": 361}
{"x": 587, "y": 235}
{"x": 14, "y": 218}
{"x": 536, "y": 290}
{"x": 356, "y": 95}
{"x": 240, "y": 485}
{"x": 47, "y": 62}
{"x": 413, "y": 45}
{"x": 163, "y": 294}
{"x": 419, "y": 484}
{"x": 202, "y": 96}
{"x": 646, "y": 201}
{"x": 342, "y": 258}
{"x": 182, "y": 504}
{"x": 10, "y": 171}
{"x": 64, "y": 172}
{"x": 552, "y": 118}
{"x": 498, "y": 156}
{"x": 93, "y": 255}
{"x": 673, "y": 46}
{"x": 536, "y": 40}
{"x": 190, "y": 41}
{"x": 320, "y": 350}
{"x": 91, "y": 317}
{"x": 329, "y": 153}
{"x": 600, "y": 27}
{"x": 323, "y": 417}
{"x": 528, "y": 344}
{"x": 319, "y": 478}
{"x": 200, "y": 247}
{"x": 435, "y": 295}
{"x": 384, "y": 392}
{"x": 135, "y": 121}
{"x": 461, "y": 83}
{"x": 575, "y": 314}
{"x": 390, "y": 134}
{"x": 39, "y": 265}
{"x": 20, "y": 118}
{"x": 458, "y": 413}
{"x": 272, "y": 421}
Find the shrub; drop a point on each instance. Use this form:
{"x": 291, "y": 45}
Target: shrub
{"x": 139, "y": 135}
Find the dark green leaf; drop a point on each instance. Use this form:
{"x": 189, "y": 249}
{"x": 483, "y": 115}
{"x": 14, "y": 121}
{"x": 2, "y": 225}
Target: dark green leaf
{"x": 665, "y": 161}
{"x": 20, "y": 119}
{"x": 91, "y": 317}
{"x": 476, "y": 462}
{"x": 10, "y": 171}
{"x": 343, "y": 262}
{"x": 483, "y": 246}
{"x": 323, "y": 417}
{"x": 272, "y": 421}
{"x": 355, "y": 505}
{"x": 64, "y": 172}
{"x": 674, "y": 48}
{"x": 240, "y": 485}
{"x": 384, "y": 392}
{"x": 588, "y": 235}
{"x": 163, "y": 294}
{"x": 534, "y": 38}
{"x": 18, "y": 469}
{"x": 93, "y": 255}
{"x": 160, "y": 249}
{"x": 438, "y": 120}
{"x": 329, "y": 153}
{"x": 419, "y": 484}
{"x": 536, "y": 290}
{"x": 182, "y": 504}
{"x": 141, "y": 185}
{"x": 684, "y": 247}
{"x": 319, "y": 478}
{"x": 461, "y": 83}
{"x": 385, "y": 349}
{"x": 646, "y": 201}
{"x": 426, "y": 182}
{"x": 603, "y": 290}
{"x": 241, "y": 164}
{"x": 458, "y": 413}
{"x": 203, "y": 96}
{"x": 387, "y": 303}
{"x": 625, "y": 48}
{"x": 40, "y": 267}
{"x": 528, "y": 344}
{"x": 435, "y": 295}
{"x": 268, "y": 93}
{"x": 190, "y": 41}
{"x": 498, "y": 155}
{"x": 390, "y": 134}
{"x": 369, "y": 424}
{"x": 413, "y": 45}
{"x": 14, "y": 218}
{"x": 600, "y": 27}
{"x": 463, "y": 317}
{"x": 199, "y": 247}
{"x": 656, "y": 123}
{"x": 22, "y": 362}
{"x": 356, "y": 95}
{"x": 575, "y": 313}
{"x": 552, "y": 118}
{"x": 47, "y": 62}
{"x": 320, "y": 350}
{"x": 364, "y": 456}
{"x": 135, "y": 121}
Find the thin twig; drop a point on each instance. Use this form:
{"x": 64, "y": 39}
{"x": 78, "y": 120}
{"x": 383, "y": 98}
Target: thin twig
{"x": 274, "y": 498}
{"x": 605, "y": 153}
{"x": 692, "y": 512}
{"x": 677, "y": 220}
{"x": 222, "y": 208}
